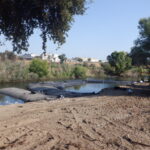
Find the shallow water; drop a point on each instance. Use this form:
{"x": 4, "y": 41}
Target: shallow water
{"x": 87, "y": 88}
{"x": 90, "y": 87}
{"x": 22, "y": 85}
{"x": 7, "y": 100}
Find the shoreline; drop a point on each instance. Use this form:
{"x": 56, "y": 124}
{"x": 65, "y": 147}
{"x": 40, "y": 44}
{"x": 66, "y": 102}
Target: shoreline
{"x": 87, "y": 123}
{"x": 54, "y": 89}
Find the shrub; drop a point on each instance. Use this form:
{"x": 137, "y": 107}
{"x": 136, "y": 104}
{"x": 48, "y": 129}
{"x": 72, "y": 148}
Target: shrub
{"x": 32, "y": 76}
{"x": 120, "y": 61}
{"x": 108, "y": 68}
{"x": 13, "y": 71}
{"x": 39, "y": 67}
{"x": 79, "y": 72}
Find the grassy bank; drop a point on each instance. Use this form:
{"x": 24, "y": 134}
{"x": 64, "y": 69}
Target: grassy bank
{"x": 38, "y": 70}
{"x": 22, "y": 71}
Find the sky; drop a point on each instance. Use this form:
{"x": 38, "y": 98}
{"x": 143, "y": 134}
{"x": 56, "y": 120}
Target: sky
{"x": 106, "y": 26}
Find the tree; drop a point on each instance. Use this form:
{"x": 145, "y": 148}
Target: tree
{"x": 120, "y": 61}
{"x": 140, "y": 53}
{"x": 139, "y": 56}
{"x": 89, "y": 59}
{"x": 79, "y": 59}
{"x": 79, "y": 72}
{"x": 39, "y": 67}
{"x": 19, "y": 18}
{"x": 62, "y": 58}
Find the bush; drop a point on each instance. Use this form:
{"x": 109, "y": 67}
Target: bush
{"x": 120, "y": 61}
{"x": 13, "y": 71}
{"x": 108, "y": 68}
{"x": 60, "y": 71}
{"x": 79, "y": 72}
{"x": 39, "y": 67}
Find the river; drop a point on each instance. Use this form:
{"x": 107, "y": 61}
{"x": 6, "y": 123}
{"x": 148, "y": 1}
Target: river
{"x": 86, "y": 88}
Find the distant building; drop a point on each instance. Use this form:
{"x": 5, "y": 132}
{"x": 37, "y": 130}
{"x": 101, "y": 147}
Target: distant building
{"x": 44, "y": 56}
{"x": 84, "y": 59}
{"x": 28, "y": 56}
{"x": 54, "y": 58}
{"x": 94, "y": 60}
{"x": 50, "y": 57}
{"x": 34, "y": 55}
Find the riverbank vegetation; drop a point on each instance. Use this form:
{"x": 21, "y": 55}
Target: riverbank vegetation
{"x": 135, "y": 64}
{"x": 39, "y": 70}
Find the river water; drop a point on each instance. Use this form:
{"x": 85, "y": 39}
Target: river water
{"x": 90, "y": 87}
{"x": 86, "y": 88}
{"x": 7, "y": 100}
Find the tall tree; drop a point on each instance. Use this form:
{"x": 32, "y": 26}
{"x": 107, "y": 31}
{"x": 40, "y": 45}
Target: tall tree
{"x": 120, "y": 61}
{"x": 140, "y": 53}
{"x": 19, "y": 18}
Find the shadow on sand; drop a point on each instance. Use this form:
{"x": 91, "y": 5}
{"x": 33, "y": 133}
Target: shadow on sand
{"x": 142, "y": 90}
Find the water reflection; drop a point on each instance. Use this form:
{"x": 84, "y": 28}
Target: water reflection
{"x": 22, "y": 85}
{"x": 90, "y": 87}
{"x": 7, "y": 100}
{"x": 77, "y": 87}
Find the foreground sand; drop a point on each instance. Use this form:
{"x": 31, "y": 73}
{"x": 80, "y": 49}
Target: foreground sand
{"x": 89, "y": 123}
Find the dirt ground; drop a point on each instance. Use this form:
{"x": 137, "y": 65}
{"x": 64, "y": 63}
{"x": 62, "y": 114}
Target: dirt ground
{"x": 106, "y": 122}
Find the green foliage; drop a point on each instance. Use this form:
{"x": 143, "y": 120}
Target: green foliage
{"x": 19, "y": 18}
{"x": 62, "y": 58}
{"x": 39, "y": 67}
{"x": 60, "y": 71}
{"x": 79, "y": 72}
{"x": 141, "y": 51}
{"x": 138, "y": 56}
{"x": 108, "y": 68}
{"x": 13, "y": 71}
{"x": 119, "y": 61}
{"x": 149, "y": 75}
{"x": 20, "y": 70}
{"x": 79, "y": 59}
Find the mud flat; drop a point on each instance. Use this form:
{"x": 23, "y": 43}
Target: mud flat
{"x": 117, "y": 121}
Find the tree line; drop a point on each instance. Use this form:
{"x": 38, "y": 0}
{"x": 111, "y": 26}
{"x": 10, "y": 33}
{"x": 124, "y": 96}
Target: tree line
{"x": 121, "y": 61}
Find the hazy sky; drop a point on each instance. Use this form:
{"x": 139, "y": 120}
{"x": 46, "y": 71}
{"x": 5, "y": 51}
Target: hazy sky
{"x": 107, "y": 26}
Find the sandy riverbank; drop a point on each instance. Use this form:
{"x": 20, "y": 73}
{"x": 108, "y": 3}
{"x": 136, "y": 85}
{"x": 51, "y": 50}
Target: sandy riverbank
{"x": 115, "y": 121}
